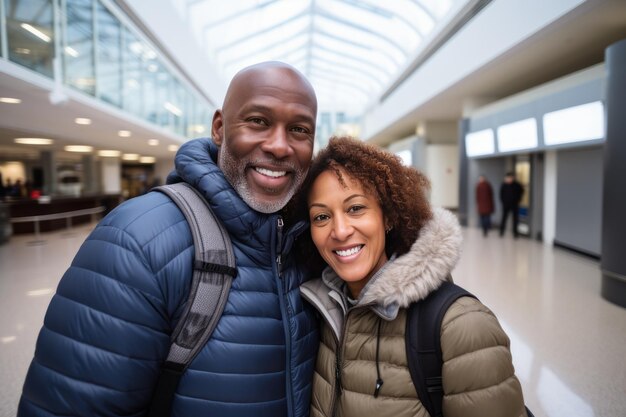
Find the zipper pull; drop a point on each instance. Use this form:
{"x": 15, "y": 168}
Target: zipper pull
{"x": 279, "y": 243}
{"x": 338, "y": 385}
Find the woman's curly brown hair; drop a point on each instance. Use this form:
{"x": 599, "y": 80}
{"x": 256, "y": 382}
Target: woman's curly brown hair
{"x": 400, "y": 191}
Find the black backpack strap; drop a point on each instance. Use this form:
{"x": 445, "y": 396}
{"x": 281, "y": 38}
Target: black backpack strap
{"x": 213, "y": 271}
{"x": 423, "y": 344}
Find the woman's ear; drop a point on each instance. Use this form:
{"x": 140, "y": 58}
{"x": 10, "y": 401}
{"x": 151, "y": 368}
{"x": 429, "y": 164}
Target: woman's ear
{"x": 388, "y": 226}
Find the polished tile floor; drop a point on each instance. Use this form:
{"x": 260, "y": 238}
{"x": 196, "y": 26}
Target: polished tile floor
{"x": 569, "y": 345}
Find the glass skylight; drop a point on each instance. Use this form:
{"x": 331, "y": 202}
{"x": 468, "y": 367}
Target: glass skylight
{"x": 351, "y": 50}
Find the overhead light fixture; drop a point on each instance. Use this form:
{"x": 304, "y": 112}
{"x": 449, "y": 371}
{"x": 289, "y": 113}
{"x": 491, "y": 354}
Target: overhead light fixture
{"x": 172, "y": 148}
{"x": 130, "y": 157}
{"x": 71, "y": 52}
{"x": 8, "y": 339}
{"x": 173, "y": 109}
{"x": 124, "y": 133}
{"x": 78, "y": 148}
{"x": 480, "y": 143}
{"x": 34, "y": 141}
{"x": 24, "y": 51}
{"x": 574, "y": 124}
{"x": 42, "y": 291}
{"x": 147, "y": 160}
{"x": 82, "y": 121}
{"x": 10, "y": 100}
{"x": 85, "y": 82}
{"x": 109, "y": 153}
{"x": 518, "y": 135}
{"x": 153, "y": 142}
{"x": 36, "y": 32}
{"x": 197, "y": 128}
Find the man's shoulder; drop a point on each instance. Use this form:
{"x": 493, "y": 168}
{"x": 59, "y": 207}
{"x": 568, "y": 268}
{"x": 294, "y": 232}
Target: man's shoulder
{"x": 144, "y": 215}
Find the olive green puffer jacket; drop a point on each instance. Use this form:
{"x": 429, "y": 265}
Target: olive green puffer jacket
{"x": 364, "y": 343}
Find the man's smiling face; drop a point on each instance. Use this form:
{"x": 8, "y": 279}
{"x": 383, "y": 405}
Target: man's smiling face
{"x": 265, "y": 132}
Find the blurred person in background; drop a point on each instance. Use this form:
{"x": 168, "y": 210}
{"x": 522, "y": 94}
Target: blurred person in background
{"x": 484, "y": 203}
{"x": 511, "y": 193}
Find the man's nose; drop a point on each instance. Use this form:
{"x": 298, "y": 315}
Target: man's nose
{"x": 277, "y": 143}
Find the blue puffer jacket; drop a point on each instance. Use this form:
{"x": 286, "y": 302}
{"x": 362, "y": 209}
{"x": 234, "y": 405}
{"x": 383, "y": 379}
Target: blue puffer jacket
{"x": 107, "y": 329}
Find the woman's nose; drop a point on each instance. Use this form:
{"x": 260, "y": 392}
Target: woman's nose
{"x": 342, "y": 228}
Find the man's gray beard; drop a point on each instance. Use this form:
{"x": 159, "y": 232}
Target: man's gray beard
{"x": 235, "y": 173}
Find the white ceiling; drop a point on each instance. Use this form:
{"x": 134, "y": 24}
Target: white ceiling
{"x": 573, "y": 42}
{"x": 350, "y": 50}
{"x": 36, "y": 116}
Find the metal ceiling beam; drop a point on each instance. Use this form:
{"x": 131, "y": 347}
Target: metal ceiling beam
{"x": 260, "y": 32}
{"x": 378, "y": 11}
{"x": 343, "y": 81}
{"x": 354, "y": 68}
{"x": 355, "y": 43}
{"x": 260, "y": 51}
{"x": 364, "y": 29}
{"x": 234, "y": 15}
{"x": 354, "y": 58}
{"x": 309, "y": 52}
{"x": 319, "y": 78}
{"x": 424, "y": 9}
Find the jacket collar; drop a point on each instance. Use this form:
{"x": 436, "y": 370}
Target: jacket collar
{"x": 427, "y": 265}
{"x": 196, "y": 164}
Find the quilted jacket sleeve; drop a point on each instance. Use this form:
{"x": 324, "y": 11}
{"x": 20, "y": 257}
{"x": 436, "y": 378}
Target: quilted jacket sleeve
{"x": 107, "y": 328}
{"x": 478, "y": 375}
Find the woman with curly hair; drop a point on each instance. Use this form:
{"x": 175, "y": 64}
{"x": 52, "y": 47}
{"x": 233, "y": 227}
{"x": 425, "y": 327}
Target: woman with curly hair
{"x": 383, "y": 247}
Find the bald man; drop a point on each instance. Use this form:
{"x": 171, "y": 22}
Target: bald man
{"x": 107, "y": 330}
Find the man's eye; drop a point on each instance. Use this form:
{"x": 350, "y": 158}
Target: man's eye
{"x": 257, "y": 120}
{"x": 299, "y": 129}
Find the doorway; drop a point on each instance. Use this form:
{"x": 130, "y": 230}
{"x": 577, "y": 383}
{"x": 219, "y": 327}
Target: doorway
{"x": 523, "y": 175}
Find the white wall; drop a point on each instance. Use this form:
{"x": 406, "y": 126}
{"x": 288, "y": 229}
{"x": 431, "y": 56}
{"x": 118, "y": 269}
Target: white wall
{"x": 472, "y": 48}
{"x": 549, "y": 197}
{"x": 443, "y": 171}
{"x": 163, "y": 167}
{"x": 111, "y": 175}
{"x": 13, "y": 171}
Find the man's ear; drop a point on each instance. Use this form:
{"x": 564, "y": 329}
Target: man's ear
{"x": 217, "y": 128}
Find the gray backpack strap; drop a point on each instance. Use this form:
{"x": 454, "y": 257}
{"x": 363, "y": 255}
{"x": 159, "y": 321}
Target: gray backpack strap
{"x": 213, "y": 271}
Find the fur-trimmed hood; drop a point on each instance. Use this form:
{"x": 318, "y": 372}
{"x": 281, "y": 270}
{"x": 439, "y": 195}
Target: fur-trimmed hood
{"x": 404, "y": 279}
{"x": 420, "y": 271}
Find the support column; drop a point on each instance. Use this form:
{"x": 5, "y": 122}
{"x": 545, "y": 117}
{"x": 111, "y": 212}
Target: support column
{"x": 90, "y": 176}
{"x": 613, "y": 262}
{"x": 111, "y": 175}
{"x": 49, "y": 167}
{"x": 464, "y": 197}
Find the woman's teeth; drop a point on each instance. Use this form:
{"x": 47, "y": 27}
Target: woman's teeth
{"x": 349, "y": 252}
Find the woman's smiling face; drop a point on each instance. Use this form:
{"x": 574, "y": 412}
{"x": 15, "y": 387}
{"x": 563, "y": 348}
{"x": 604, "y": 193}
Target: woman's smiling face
{"x": 348, "y": 228}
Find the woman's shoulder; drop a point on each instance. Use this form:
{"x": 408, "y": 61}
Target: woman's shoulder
{"x": 469, "y": 326}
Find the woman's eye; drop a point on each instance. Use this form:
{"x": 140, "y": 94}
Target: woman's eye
{"x": 320, "y": 218}
{"x": 355, "y": 209}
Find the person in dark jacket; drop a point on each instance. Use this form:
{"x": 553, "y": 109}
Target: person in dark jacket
{"x": 484, "y": 203}
{"x": 511, "y": 193}
{"x": 107, "y": 330}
